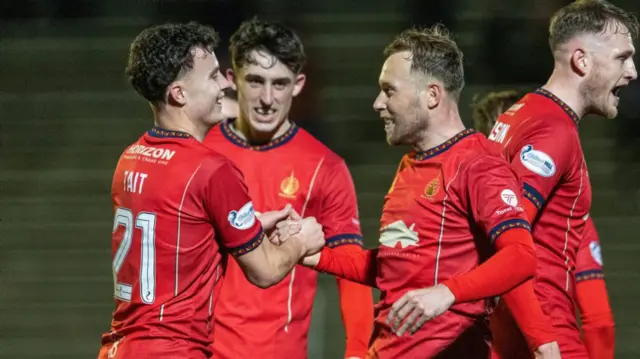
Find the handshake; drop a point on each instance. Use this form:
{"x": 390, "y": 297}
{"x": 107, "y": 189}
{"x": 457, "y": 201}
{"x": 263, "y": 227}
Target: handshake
{"x": 287, "y": 225}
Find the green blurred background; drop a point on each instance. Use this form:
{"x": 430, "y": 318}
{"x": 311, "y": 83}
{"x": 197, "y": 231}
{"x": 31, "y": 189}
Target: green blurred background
{"x": 67, "y": 112}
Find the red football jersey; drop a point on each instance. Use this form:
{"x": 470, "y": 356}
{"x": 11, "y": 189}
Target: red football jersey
{"x": 177, "y": 205}
{"x": 589, "y": 261}
{"x": 539, "y": 136}
{"x": 443, "y": 212}
{"x": 295, "y": 169}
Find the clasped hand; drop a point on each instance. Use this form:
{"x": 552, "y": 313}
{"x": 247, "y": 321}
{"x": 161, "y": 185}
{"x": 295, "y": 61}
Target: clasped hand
{"x": 286, "y": 224}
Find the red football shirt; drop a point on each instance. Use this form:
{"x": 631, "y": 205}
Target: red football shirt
{"x": 444, "y": 210}
{"x": 539, "y": 136}
{"x": 295, "y": 169}
{"x": 177, "y": 205}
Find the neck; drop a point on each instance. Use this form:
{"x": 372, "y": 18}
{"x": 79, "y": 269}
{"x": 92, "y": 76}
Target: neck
{"x": 175, "y": 120}
{"x": 565, "y": 89}
{"x": 243, "y": 128}
{"x": 442, "y": 127}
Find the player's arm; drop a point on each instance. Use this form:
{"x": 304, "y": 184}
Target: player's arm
{"x": 356, "y": 266}
{"x": 341, "y": 225}
{"x": 241, "y": 234}
{"x": 591, "y": 295}
{"x": 495, "y": 204}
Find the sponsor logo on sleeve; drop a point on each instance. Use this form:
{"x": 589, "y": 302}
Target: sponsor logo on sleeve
{"x": 596, "y": 252}
{"x": 244, "y": 218}
{"x": 509, "y": 197}
{"x": 537, "y": 161}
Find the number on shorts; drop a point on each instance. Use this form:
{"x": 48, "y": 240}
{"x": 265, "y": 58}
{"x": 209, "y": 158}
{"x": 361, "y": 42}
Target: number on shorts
{"x": 146, "y": 222}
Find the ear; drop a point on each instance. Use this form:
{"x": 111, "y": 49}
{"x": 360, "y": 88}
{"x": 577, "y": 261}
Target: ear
{"x": 176, "y": 93}
{"x": 434, "y": 94}
{"x": 301, "y": 79}
{"x": 231, "y": 77}
{"x": 581, "y": 62}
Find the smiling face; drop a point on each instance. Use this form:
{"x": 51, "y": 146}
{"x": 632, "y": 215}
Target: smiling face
{"x": 266, "y": 88}
{"x": 201, "y": 89}
{"x": 610, "y": 67}
{"x": 398, "y": 102}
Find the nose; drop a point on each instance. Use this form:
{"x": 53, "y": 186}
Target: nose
{"x": 223, "y": 82}
{"x": 380, "y": 103}
{"x": 632, "y": 72}
{"x": 267, "y": 95}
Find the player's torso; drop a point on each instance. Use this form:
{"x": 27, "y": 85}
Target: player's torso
{"x": 165, "y": 259}
{"x": 558, "y": 228}
{"x": 425, "y": 235}
{"x": 275, "y": 320}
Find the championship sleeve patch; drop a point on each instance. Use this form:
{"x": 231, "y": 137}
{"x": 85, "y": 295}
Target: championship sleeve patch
{"x": 537, "y": 161}
{"x": 596, "y": 252}
{"x": 243, "y": 218}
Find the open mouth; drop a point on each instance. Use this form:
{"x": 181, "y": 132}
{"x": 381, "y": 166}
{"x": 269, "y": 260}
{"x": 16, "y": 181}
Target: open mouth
{"x": 616, "y": 90}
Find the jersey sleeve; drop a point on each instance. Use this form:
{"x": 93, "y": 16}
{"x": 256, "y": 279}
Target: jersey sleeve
{"x": 230, "y": 208}
{"x": 339, "y": 206}
{"x": 540, "y": 159}
{"x": 494, "y": 198}
{"x": 589, "y": 259}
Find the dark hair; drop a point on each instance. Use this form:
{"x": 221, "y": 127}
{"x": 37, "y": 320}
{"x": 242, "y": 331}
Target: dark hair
{"x": 433, "y": 53}
{"x": 160, "y": 54}
{"x": 487, "y": 109}
{"x": 271, "y": 37}
{"x": 589, "y": 17}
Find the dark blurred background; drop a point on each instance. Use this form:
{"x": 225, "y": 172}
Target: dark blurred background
{"x": 67, "y": 112}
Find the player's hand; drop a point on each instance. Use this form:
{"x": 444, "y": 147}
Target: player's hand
{"x": 311, "y": 261}
{"x": 311, "y": 235}
{"x": 286, "y": 228}
{"x": 419, "y": 306}
{"x": 270, "y": 219}
{"x": 548, "y": 351}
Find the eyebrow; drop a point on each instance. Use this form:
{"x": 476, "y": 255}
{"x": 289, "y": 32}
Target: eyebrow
{"x": 284, "y": 80}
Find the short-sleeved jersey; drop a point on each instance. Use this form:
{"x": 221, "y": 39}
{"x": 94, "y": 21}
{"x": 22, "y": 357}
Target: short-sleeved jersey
{"x": 443, "y": 212}
{"x": 589, "y": 261}
{"x": 178, "y": 206}
{"x": 539, "y": 136}
{"x": 295, "y": 169}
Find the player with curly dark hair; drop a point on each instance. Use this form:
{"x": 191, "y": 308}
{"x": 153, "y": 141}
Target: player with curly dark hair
{"x": 178, "y": 206}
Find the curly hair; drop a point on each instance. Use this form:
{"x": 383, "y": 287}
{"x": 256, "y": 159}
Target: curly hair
{"x": 589, "y": 17}
{"x": 486, "y": 110}
{"x": 271, "y": 37}
{"x": 161, "y": 54}
{"x": 433, "y": 53}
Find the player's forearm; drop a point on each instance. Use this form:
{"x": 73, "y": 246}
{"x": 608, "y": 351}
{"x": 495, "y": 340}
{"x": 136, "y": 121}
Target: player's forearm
{"x": 359, "y": 267}
{"x": 514, "y": 263}
{"x": 276, "y": 263}
{"x": 356, "y": 307}
{"x": 596, "y": 317}
{"x": 527, "y": 313}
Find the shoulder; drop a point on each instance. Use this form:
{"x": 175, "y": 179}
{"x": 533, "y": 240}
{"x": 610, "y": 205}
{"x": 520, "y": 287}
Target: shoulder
{"x": 307, "y": 145}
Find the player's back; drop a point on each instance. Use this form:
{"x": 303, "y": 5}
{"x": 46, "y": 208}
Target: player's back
{"x": 539, "y": 136}
{"x": 440, "y": 217}
{"x": 166, "y": 262}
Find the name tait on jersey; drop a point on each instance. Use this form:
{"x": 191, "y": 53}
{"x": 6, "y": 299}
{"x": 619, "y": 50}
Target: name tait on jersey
{"x": 499, "y": 132}
{"x": 537, "y": 161}
{"x": 134, "y": 181}
{"x": 398, "y": 234}
{"x": 244, "y": 218}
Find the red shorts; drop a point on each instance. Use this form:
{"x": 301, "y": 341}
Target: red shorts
{"x": 509, "y": 343}
{"x": 150, "y": 349}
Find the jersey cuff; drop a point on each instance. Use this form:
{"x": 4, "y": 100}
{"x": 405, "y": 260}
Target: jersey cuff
{"x": 533, "y": 195}
{"x": 249, "y": 246}
{"x": 589, "y": 275}
{"x": 504, "y": 226}
{"x": 342, "y": 239}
